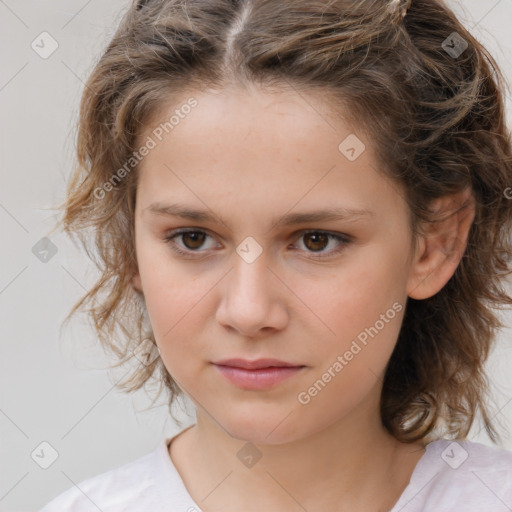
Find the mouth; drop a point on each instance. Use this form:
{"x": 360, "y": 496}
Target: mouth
{"x": 257, "y": 364}
{"x": 257, "y": 375}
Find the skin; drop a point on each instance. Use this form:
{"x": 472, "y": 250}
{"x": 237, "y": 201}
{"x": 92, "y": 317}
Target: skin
{"x": 251, "y": 156}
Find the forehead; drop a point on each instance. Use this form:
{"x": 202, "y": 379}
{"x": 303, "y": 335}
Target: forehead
{"x": 260, "y": 114}
{"x": 281, "y": 146}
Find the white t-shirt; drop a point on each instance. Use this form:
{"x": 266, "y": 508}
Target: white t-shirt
{"x": 451, "y": 476}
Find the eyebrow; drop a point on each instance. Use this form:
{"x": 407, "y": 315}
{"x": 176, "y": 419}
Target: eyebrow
{"x": 322, "y": 215}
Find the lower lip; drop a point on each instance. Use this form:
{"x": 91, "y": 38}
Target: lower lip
{"x": 262, "y": 378}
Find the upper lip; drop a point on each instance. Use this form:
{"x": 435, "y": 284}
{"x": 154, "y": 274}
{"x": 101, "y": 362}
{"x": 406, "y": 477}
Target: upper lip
{"x": 253, "y": 365}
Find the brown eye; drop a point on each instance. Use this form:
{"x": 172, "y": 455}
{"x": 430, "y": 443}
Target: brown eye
{"x": 193, "y": 239}
{"x": 188, "y": 242}
{"x": 316, "y": 241}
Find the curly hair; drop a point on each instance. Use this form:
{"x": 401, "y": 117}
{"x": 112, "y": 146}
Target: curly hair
{"x": 427, "y": 93}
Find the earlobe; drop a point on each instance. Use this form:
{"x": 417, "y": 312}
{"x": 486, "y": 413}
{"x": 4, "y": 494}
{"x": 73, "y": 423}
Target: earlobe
{"x": 441, "y": 247}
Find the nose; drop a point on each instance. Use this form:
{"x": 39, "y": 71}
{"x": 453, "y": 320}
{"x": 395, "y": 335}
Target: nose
{"x": 253, "y": 298}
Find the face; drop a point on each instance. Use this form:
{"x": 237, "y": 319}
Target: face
{"x": 258, "y": 276}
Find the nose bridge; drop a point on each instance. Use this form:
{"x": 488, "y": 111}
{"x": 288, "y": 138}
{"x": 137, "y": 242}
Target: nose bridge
{"x": 250, "y": 275}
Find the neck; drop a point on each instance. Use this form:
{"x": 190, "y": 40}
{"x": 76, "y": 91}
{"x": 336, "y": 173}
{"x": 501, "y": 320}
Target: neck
{"x": 354, "y": 462}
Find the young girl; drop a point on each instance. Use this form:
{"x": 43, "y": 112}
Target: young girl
{"x": 302, "y": 214}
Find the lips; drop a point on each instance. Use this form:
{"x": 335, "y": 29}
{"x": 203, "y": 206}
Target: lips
{"x": 258, "y": 375}
{"x": 258, "y": 364}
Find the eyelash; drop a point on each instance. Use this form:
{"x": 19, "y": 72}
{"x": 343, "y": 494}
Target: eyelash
{"x": 344, "y": 239}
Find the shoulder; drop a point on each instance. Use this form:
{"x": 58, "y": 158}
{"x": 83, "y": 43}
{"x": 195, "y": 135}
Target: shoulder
{"x": 463, "y": 458}
{"x": 132, "y": 484}
{"x": 462, "y": 475}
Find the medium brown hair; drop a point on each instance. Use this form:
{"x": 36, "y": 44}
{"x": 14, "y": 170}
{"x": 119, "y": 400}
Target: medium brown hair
{"x": 435, "y": 119}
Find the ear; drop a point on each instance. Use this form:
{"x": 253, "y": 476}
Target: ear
{"x": 136, "y": 282}
{"x": 441, "y": 245}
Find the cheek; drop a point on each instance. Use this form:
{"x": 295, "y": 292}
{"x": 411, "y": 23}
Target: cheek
{"x": 173, "y": 308}
{"x": 172, "y": 296}
{"x": 353, "y": 298}
{"x": 376, "y": 307}
{"x": 366, "y": 320}
{"x": 173, "y": 303}
{"x": 362, "y": 304}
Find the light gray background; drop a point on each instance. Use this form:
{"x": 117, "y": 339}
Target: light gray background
{"x": 55, "y": 389}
